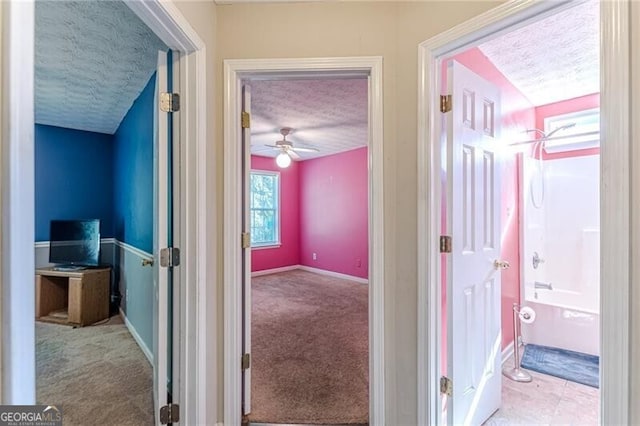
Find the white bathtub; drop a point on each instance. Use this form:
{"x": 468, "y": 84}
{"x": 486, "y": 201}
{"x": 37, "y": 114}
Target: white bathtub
{"x": 564, "y": 233}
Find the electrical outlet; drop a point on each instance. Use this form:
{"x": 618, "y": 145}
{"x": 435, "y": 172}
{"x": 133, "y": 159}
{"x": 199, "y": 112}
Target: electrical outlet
{"x": 358, "y": 263}
{"x": 314, "y": 256}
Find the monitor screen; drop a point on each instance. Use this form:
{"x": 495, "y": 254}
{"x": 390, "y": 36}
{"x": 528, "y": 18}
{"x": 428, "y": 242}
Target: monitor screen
{"x": 75, "y": 242}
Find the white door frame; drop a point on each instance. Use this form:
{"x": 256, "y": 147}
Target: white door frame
{"x": 618, "y": 215}
{"x": 17, "y": 206}
{"x": 234, "y": 72}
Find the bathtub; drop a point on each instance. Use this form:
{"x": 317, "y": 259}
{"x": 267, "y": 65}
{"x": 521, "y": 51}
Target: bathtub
{"x": 563, "y": 233}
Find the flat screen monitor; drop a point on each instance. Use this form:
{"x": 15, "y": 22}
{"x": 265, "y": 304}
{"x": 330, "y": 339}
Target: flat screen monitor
{"x": 75, "y": 242}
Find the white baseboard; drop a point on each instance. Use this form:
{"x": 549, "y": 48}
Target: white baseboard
{"x": 334, "y": 274}
{"x": 310, "y": 269}
{"x": 275, "y": 270}
{"x": 507, "y": 352}
{"x": 137, "y": 338}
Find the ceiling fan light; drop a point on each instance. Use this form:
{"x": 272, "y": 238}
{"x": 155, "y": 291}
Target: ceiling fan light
{"x": 283, "y": 160}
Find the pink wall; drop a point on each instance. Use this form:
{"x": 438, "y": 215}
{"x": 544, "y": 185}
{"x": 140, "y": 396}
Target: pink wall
{"x": 565, "y": 107}
{"x": 517, "y": 115}
{"x": 334, "y": 213}
{"x": 289, "y": 251}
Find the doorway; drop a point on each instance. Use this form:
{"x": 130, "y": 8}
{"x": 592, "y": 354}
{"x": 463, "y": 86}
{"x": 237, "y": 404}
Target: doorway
{"x": 497, "y": 23}
{"x": 18, "y": 191}
{"x": 308, "y": 225}
{"x": 235, "y": 72}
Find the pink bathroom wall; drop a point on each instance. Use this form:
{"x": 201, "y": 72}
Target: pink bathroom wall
{"x": 288, "y": 253}
{"x": 334, "y": 213}
{"x": 565, "y": 107}
{"x": 518, "y": 115}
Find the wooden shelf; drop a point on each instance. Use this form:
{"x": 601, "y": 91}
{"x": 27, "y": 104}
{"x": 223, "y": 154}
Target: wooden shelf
{"x": 72, "y": 297}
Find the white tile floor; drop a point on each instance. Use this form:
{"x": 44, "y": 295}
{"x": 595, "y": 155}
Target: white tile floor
{"x": 546, "y": 400}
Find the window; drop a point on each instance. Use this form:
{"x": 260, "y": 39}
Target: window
{"x": 265, "y": 206}
{"x": 581, "y": 130}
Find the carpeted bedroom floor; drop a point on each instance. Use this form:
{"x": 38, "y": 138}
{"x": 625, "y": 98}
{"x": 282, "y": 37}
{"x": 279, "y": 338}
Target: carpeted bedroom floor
{"x": 98, "y": 374}
{"x": 309, "y": 351}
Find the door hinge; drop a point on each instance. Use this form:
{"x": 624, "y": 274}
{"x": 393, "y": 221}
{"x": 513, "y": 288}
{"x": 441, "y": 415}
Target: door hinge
{"x": 246, "y": 240}
{"x": 446, "y": 386}
{"x": 246, "y": 361}
{"x": 246, "y": 120}
{"x": 169, "y": 102}
{"x": 170, "y": 413}
{"x": 169, "y": 257}
{"x": 445, "y": 103}
{"x": 445, "y": 244}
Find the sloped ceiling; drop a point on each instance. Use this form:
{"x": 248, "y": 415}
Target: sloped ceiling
{"x": 554, "y": 59}
{"x": 92, "y": 60}
{"x": 327, "y": 114}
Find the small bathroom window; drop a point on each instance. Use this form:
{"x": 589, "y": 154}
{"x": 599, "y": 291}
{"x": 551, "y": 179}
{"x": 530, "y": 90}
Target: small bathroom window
{"x": 581, "y": 131}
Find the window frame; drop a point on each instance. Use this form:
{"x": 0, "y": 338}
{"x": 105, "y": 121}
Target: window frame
{"x": 278, "y": 241}
{"x": 572, "y": 140}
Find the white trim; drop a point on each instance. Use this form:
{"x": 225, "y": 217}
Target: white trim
{"x": 134, "y": 333}
{"x": 234, "y": 70}
{"x": 507, "y": 352}
{"x": 47, "y": 244}
{"x": 275, "y": 270}
{"x": 616, "y": 268}
{"x": 18, "y": 373}
{"x": 198, "y": 268}
{"x": 333, "y": 274}
{"x": 310, "y": 269}
{"x": 140, "y": 253}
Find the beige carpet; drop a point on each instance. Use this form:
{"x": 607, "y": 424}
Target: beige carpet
{"x": 309, "y": 350}
{"x": 98, "y": 374}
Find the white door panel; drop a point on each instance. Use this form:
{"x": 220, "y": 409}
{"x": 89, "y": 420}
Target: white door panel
{"x": 246, "y": 256}
{"x": 160, "y": 239}
{"x": 473, "y": 282}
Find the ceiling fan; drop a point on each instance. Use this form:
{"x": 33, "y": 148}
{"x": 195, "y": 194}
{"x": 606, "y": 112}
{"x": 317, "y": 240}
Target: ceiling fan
{"x": 287, "y": 148}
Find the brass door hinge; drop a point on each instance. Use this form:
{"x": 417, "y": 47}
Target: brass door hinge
{"x": 445, "y": 244}
{"x": 169, "y": 257}
{"x": 445, "y": 103}
{"x": 170, "y": 413}
{"x": 446, "y": 386}
{"x": 246, "y": 361}
{"x": 169, "y": 102}
{"x": 246, "y": 240}
{"x": 246, "y": 120}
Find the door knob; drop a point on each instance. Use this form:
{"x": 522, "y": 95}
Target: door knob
{"x": 501, "y": 264}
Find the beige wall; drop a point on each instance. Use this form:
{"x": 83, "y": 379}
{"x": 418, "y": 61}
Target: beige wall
{"x": 393, "y": 31}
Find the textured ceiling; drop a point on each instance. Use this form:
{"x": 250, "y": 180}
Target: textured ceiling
{"x": 328, "y": 114}
{"x": 554, "y": 59}
{"x": 92, "y": 60}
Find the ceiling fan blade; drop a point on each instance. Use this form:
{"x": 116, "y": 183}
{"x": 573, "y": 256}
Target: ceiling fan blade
{"x": 272, "y": 146}
{"x": 305, "y": 149}
{"x": 293, "y": 154}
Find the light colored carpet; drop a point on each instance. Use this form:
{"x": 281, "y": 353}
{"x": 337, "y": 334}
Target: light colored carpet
{"x": 97, "y": 373}
{"x": 310, "y": 349}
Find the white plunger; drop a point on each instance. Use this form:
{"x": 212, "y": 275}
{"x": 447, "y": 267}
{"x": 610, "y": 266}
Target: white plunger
{"x": 516, "y": 373}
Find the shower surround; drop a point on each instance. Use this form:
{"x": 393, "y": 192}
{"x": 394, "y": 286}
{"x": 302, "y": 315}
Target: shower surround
{"x": 563, "y": 284}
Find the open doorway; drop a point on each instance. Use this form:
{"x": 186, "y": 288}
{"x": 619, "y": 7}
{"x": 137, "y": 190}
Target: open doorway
{"x": 237, "y": 250}
{"x": 95, "y": 214}
{"x": 524, "y": 227}
{"x": 308, "y": 208}
{"x": 19, "y": 193}
{"x": 557, "y": 134}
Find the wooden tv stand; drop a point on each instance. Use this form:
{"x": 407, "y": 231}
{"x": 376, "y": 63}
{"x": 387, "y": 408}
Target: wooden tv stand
{"x": 72, "y": 297}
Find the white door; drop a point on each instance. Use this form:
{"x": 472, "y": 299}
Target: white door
{"x": 473, "y": 280}
{"x": 163, "y": 378}
{"x": 246, "y": 251}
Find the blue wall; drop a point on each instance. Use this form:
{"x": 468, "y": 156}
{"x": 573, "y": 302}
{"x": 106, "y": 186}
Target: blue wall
{"x": 133, "y": 173}
{"x": 73, "y": 178}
